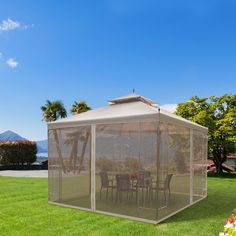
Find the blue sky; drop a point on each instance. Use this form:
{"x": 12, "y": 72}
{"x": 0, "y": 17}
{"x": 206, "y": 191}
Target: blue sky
{"x": 98, "y": 50}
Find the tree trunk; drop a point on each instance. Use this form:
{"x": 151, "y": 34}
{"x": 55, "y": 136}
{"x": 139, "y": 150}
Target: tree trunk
{"x": 219, "y": 157}
{"x": 59, "y": 150}
{"x": 219, "y": 170}
{"x": 74, "y": 152}
{"x": 83, "y": 152}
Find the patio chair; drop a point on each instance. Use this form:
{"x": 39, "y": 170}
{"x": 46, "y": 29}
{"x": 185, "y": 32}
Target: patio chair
{"x": 123, "y": 184}
{"x": 143, "y": 182}
{"x": 165, "y": 187}
{"x": 106, "y": 183}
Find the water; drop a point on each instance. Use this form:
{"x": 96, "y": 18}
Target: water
{"x": 230, "y": 161}
{"x": 42, "y": 154}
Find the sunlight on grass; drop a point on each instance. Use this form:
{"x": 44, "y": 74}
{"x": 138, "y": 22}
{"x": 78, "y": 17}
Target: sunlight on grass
{"x": 25, "y": 211}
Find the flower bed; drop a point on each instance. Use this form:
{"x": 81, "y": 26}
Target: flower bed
{"x": 230, "y": 227}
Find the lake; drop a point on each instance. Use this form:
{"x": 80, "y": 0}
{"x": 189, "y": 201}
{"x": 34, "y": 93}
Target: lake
{"x": 42, "y": 156}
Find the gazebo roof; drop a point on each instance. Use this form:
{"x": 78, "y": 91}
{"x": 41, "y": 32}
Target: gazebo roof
{"x": 133, "y": 97}
{"x": 130, "y": 107}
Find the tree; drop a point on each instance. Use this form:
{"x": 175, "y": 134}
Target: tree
{"x": 51, "y": 112}
{"x": 79, "y": 107}
{"x": 219, "y": 115}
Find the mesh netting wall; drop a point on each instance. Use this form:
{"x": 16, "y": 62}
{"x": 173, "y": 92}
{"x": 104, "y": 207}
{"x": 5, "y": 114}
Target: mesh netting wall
{"x": 125, "y": 167}
{"x": 199, "y": 164}
{"x": 69, "y": 166}
{"x": 142, "y": 169}
{"x": 175, "y": 167}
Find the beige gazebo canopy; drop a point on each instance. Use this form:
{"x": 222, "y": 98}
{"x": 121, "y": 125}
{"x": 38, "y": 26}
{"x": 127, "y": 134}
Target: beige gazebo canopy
{"x": 131, "y": 106}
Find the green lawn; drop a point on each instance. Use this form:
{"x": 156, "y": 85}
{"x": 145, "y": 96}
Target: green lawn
{"x": 24, "y": 211}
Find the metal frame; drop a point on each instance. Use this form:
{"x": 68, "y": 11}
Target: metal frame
{"x": 206, "y": 164}
{"x": 93, "y": 167}
{"x": 191, "y": 166}
{"x": 158, "y": 160}
{"x": 48, "y": 164}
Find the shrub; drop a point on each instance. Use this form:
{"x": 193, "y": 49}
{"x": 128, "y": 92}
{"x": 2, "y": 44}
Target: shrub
{"x": 104, "y": 164}
{"x": 127, "y": 165}
{"x": 132, "y": 164}
{"x": 17, "y": 152}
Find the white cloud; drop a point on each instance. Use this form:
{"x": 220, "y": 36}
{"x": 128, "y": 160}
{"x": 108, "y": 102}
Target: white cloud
{"x": 0, "y": 55}
{"x": 9, "y": 24}
{"x": 12, "y": 63}
{"x": 169, "y": 107}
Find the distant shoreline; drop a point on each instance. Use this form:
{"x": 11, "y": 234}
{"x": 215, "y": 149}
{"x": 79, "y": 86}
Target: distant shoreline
{"x": 42, "y": 156}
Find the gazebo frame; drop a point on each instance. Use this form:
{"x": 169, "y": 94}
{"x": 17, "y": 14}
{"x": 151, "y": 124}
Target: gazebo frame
{"x": 170, "y": 132}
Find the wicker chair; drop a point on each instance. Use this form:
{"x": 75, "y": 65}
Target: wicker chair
{"x": 124, "y": 185}
{"x": 106, "y": 183}
{"x": 143, "y": 182}
{"x": 165, "y": 187}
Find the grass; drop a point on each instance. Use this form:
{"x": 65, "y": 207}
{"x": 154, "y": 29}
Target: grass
{"x": 24, "y": 211}
{"x": 75, "y": 192}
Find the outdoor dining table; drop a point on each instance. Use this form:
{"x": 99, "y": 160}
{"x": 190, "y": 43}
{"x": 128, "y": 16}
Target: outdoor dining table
{"x": 133, "y": 184}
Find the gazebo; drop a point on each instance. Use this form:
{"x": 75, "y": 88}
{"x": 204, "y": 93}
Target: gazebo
{"x": 130, "y": 159}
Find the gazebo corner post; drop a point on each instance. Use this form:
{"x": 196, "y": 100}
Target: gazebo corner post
{"x": 93, "y": 167}
{"x": 139, "y": 159}
{"x": 158, "y": 163}
{"x": 206, "y": 158}
{"x": 49, "y": 166}
{"x": 191, "y": 166}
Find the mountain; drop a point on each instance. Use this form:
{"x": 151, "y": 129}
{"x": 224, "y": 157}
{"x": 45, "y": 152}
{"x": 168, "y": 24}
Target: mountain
{"x": 42, "y": 145}
{"x": 10, "y": 136}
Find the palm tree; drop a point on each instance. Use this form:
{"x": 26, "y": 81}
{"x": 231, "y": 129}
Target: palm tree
{"x": 79, "y": 107}
{"x": 51, "y": 112}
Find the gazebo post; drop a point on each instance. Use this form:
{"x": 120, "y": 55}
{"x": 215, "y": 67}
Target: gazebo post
{"x": 158, "y": 163}
{"x": 205, "y": 162}
{"x": 93, "y": 167}
{"x": 191, "y": 166}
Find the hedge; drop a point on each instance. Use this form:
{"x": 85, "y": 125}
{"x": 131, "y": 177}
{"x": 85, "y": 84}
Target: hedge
{"x": 17, "y": 152}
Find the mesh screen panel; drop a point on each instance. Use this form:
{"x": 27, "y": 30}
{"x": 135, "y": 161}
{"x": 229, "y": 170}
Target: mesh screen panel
{"x": 174, "y": 166}
{"x": 125, "y": 166}
{"x": 53, "y": 169}
{"x": 69, "y": 166}
{"x": 199, "y": 164}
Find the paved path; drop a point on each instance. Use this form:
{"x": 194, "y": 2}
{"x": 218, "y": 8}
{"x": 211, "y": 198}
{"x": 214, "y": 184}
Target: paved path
{"x": 25, "y": 173}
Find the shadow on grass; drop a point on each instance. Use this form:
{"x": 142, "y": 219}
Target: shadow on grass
{"x": 223, "y": 175}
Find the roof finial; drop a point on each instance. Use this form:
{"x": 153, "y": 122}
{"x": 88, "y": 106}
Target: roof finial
{"x": 133, "y": 90}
